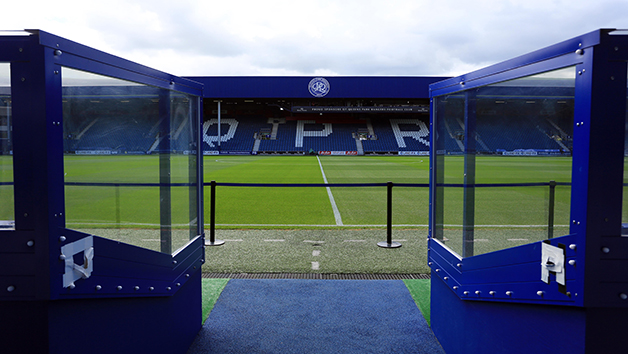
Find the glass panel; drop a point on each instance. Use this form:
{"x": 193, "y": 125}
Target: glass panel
{"x": 7, "y": 212}
{"x": 517, "y": 139}
{"x": 450, "y": 170}
{"x": 130, "y": 164}
{"x": 624, "y": 209}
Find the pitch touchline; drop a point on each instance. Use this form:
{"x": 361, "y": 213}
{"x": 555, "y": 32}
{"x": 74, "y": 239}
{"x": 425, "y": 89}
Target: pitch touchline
{"x": 318, "y": 225}
{"x": 379, "y": 225}
{"x": 312, "y": 225}
{"x": 331, "y": 197}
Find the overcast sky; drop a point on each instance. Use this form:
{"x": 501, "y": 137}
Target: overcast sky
{"x": 316, "y": 38}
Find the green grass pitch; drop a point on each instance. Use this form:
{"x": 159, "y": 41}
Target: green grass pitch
{"x": 272, "y": 229}
{"x": 311, "y": 206}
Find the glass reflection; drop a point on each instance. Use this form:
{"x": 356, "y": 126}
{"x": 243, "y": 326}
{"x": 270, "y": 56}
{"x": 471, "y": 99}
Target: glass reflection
{"x": 7, "y": 212}
{"x": 499, "y": 147}
{"x": 624, "y": 209}
{"x": 130, "y": 163}
{"x": 450, "y": 171}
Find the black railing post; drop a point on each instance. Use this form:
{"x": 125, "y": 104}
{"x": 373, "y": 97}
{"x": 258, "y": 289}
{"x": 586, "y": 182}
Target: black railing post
{"x": 389, "y": 186}
{"x": 389, "y": 243}
{"x": 550, "y": 209}
{"x": 212, "y": 218}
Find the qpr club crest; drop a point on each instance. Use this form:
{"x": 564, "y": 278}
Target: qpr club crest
{"x": 318, "y": 87}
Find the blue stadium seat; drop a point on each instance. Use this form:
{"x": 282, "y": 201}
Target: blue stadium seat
{"x": 494, "y": 134}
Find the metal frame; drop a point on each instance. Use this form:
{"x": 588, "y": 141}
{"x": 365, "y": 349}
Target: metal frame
{"x": 36, "y": 67}
{"x": 31, "y": 256}
{"x": 596, "y": 254}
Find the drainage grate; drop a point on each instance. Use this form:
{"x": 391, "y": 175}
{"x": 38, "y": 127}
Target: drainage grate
{"x": 316, "y": 276}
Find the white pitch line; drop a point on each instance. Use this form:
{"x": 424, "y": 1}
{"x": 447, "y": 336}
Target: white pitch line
{"x": 316, "y": 253}
{"x": 504, "y": 226}
{"x": 323, "y": 225}
{"x": 315, "y": 265}
{"x": 348, "y": 225}
{"x": 331, "y": 197}
{"x": 274, "y": 240}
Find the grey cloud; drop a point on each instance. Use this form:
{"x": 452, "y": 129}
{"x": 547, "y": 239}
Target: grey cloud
{"x": 179, "y": 32}
{"x": 355, "y": 37}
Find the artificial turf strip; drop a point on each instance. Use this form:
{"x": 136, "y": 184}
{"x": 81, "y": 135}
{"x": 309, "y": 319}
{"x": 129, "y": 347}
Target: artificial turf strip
{"x": 420, "y": 291}
{"x": 211, "y": 289}
{"x": 315, "y": 316}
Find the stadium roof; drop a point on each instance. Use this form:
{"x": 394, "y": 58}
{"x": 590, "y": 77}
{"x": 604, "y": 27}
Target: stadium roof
{"x": 304, "y": 87}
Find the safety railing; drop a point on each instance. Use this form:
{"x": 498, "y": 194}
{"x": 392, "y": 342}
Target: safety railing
{"x": 389, "y": 185}
{"x": 212, "y": 241}
{"x": 388, "y": 243}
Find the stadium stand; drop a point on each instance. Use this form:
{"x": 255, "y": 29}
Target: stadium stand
{"x": 112, "y": 134}
{"x": 285, "y": 138}
{"x": 259, "y": 134}
{"x": 252, "y": 128}
{"x": 385, "y": 141}
{"x": 529, "y": 133}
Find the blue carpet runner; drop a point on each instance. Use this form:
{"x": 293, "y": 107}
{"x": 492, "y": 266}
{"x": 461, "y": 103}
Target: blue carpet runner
{"x": 315, "y": 316}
